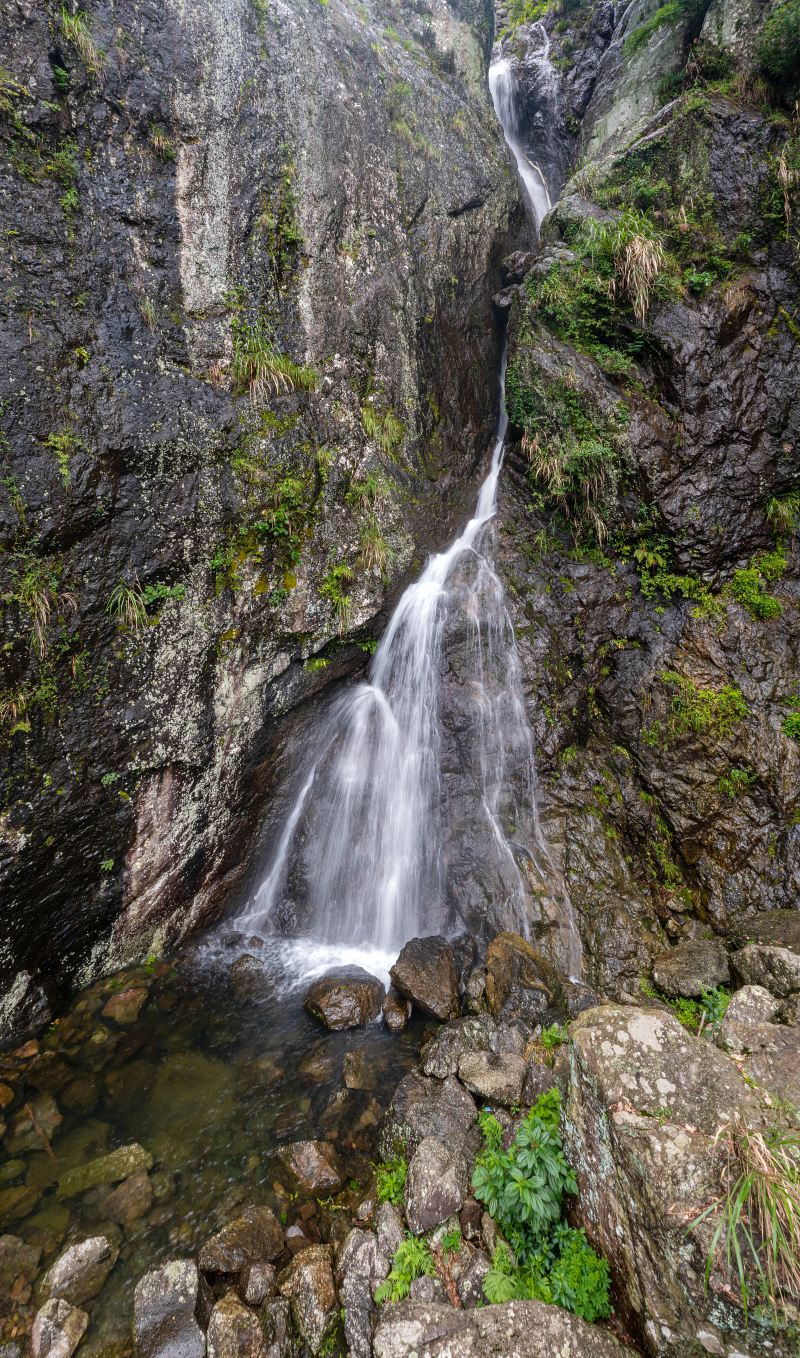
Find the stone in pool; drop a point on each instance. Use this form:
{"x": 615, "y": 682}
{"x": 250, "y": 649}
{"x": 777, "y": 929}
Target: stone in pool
{"x": 79, "y": 1273}
{"x": 106, "y": 1169}
{"x": 425, "y": 972}
{"x": 254, "y": 1237}
{"x": 165, "y": 1306}
{"x": 58, "y": 1330}
{"x": 313, "y": 1164}
{"x": 345, "y": 998}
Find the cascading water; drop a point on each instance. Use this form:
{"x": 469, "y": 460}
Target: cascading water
{"x": 366, "y": 857}
{"x": 503, "y": 88}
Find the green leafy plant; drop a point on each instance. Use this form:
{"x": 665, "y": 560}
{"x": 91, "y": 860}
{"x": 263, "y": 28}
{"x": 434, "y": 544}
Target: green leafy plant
{"x": 736, "y": 782}
{"x": 412, "y": 1259}
{"x": 63, "y": 444}
{"x": 749, "y": 587}
{"x": 451, "y": 1241}
{"x": 701, "y": 710}
{"x": 333, "y": 589}
{"x": 390, "y": 1180}
{"x": 553, "y": 1036}
{"x": 714, "y": 1003}
{"x": 791, "y": 724}
{"x": 778, "y": 43}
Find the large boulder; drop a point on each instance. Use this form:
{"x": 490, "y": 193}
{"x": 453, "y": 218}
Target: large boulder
{"x": 692, "y": 967}
{"x": 646, "y": 1103}
{"x": 776, "y": 928}
{"x": 234, "y": 1331}
{"x": 776, "y": 969}
{"x": 517, "y": 1329}
{"x": 254, "y": 1237}
{"x": 520, "y": 982}
{"x": 79, "y": 1273}
{"x": 308, "y": 1284}
{"x": 58, "y": 1330}
{"x": 426, "y": 973}
{"x": 497, "y": 1077}
{"x": 440, "y": 1056}
{"x": 314, "y": 1164}
{"x": 422, "y": 1106}
{"x": 345, "y": 998}
{"x": 436, "y": 1184}
{"x": 166, "y": 1303}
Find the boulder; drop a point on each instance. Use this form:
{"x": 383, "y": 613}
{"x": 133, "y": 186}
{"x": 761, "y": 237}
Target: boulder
{"x": 58, "y": 1329}
{"x": 345, "y": 998}
{"x": 776, "y": 969}
{"x": 475, "y": 991}
{"x": 18, "y": 1261}
{"x": 36, "y": 1121}
{"x": 769, "y": 1054}
{"x": 497, "y": 1077}
{"x": 106, "y": 1169}
{"x": 517, "y": 1329}
{"x": 253, "y": 1237}
{"x": 749, "y": 1007}
{"x": 689, "y": 968}
{"x": 646, "y": 1101}
{"x": 520, "y": 982}
{"x": 470, "y": 1282}
{"x": 276, "y": 1318}
{"x": 389, "y": 1228}
{"x": 538, "y": 1079}
{"x": 129, "y": 1200}
{"x": 436, "y": 1184}
{"x": 80, "y": 1271}
{"x": 426, "y": 973}
{"x": 313, "y": 1164}
{"x": 396, "y": 1011}
{"x": 422, "y": 1106}
{"x": 165, "y": 1307}
{"x": 234, "y": 1331}
{"x": 440, "y": 1056}
{"x": 362, "y": 1266}
{"x": 309, "y": 1286}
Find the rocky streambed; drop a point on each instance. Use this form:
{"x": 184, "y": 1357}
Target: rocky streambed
{"x": 196, "y": 1165}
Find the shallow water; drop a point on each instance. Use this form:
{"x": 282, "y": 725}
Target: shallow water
{"x": 221, "y": 1067}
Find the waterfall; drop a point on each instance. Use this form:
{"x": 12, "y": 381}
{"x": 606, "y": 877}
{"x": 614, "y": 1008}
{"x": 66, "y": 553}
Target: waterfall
{"x": 368, "y": 855}
{"x": 503, "y": 88}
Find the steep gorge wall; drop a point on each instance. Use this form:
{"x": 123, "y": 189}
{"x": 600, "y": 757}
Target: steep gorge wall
{"x": 248, "y": 373}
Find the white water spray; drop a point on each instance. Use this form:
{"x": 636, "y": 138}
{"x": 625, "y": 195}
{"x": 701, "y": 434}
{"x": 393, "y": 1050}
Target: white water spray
{"x": 502, "y": 85}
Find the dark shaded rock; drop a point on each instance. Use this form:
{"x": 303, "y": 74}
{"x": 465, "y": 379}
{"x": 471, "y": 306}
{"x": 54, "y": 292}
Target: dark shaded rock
{"x": 775, "y": 928}
{"x": 520, "y": 982}
{"x": 692, "y": 967}
{"x": 346, "y": 998}
{"x": 106, "y": 1169}
{"x": 538, "y": 1079}
{"x": 17, "y": 1202}
{"x": 81, "y": 1271}
{"x": 497, "y": 1077}
{"x": 129, "y": 1201}
{"x": 580, "y": 997}
{"x": 17, "y": 1261}
{"x": 166, "y": 1303}
{"x": 256, "y": 1283}
{"x": 421, "y": 1107}
{"x": 517, "y": 1329}
{"x": 253, "y": 1238}
{"x": 277, "y": 1320}
{"x": 470, "y": 1219}
{"x": 790, "y": 1010}
{"x": 427, "y": 1291}
{"x": 396, "y": 1011}
{"x": 436, "y": 1184}
{"x": 475, "y": 991}
{"x": 314, "y": 1165}
{"x": 464, "y": 953}
{"x": 358, "y": 1072}
{"x": 35, "y": 1122}
{"x": 234, "y": 1331}
{"x": 470, "y": 1283}
{"x": 776, "y": 969}
{"x": 440, "y": 1055}
{"x": 58, "y": 1330}
{"x": 425, "y": 972}
{"x": 309, "y": 1286}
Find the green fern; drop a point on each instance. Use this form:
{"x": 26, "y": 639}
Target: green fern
{"x": 412, "y": 1259}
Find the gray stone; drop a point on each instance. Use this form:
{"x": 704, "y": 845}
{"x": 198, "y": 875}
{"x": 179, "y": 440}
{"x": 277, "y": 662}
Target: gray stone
{"x": 256, "y": 1283}
{"x": 234, "y": 1331}
{"x": 129, "y": 1200}
{"x": 752, "y": 1005}
{"x": 776, "y": 969}
{"x": 470, "y": 1282}
{"x": 165, "y": 1306}
{"x": 692, "y": 967}
{"x": 80, "y": 1272}
{"x": 440, "y": 1056}
{"x": 253, "y": 1237}
{"x": 276, "y": 1317}
{"x": 58, "y": 1330}
{"x": 314, "y": 1164}
{"x": 389, "y": 1228}
{"x": 517, "y": 1329}
{"x": 436, "y": 1184}
{"x": 422, "y": 1106}
{"x": 497, "y": 1077}
{"x": 345, "y": 998}
{"x": 538, "y": 1079}
{"x": 427, "y": 1290}
{"x": 425, "y": 972}
{"x": 308, "y": 1283}
{"x": 775, "y": 928}
{"x": 361, "y": 1267}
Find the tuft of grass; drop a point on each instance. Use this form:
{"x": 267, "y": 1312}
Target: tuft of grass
{"x": 161, "y": 142}
{"x": 127, "y": 605}
{"x": 333, "y": 588}
{"x": 783, "y": 513}
{"x": 703, "y": 710}
{"x": 260, "y": 368}
{"x": 757, "y": 1215}
{"x": 638, "y": 253}
{"x": 75, "y": 28}
{"x": 384, "y": 427}
{"x": 373, "y": 548}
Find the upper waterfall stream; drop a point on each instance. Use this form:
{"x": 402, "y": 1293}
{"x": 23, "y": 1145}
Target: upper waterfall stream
{"x": 367, "y": 855}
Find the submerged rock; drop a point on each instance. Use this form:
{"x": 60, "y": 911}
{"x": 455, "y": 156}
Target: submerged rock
{"x": 314, "y": 1165}
{"x": 18, "y": 1261}
{"x": 106, "y": 1169}
{"x": 426, "y": 973}
{"x": 436, "y": 1184}
{"x": 129, "y": 1201}
{"x": 253, "y": 1237}
{"x": 58, "y": 1330}
{"x": 309, "y": 1286}
{"x": 776, "y": 969}
{"x": 125, "y": 1007}
{"x": 81, "y": 1270}
{"x": 165, "y": 1309}
{"x": 345, "y": 998}
{"x": 516, "y": 1329}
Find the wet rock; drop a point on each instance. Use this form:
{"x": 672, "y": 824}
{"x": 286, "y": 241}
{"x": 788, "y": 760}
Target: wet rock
{"x": 422, "y": 1106}
{"x": 426, "y": 973}
{"x": 81, "y": 1270}
{"x": 362, "y": 1265}
{"x": 276, "y": 1317}
{"x": 776, "y": 969}
{"x": 389, "y": 1228}
{"x": 12, "y": 1170}
{"x": 318, "y": 1064}
{"x": 106, "y": 1169}
{"x": 17, "y": 1203}
{"x": 538, "y": 1079}
{"x": 358, "y": 1073}
{"x": 314, "y": 1165}
{"x": 470, "y": 1283}
{"x": 520, "y": 982}
{"x": 165, "y": 1308}
{"x": 253, "y": 1237}
{"x": 440, "y": 1056}
{"x": 34, "y": 1124}
{"x": 18, "y": 1262}
{"x": 692, "y": 967}
{"x": 775, "y": 928}
{"x": 436, "y": 1184}
{"x": 475, "y": 991}
{"x": 125, "y": 1007}
{"x": 346, "y": 998}
{"x": 497, "y": 1077}
{"x": 396, "y": 1011}
{"x": 256, "y": 1283}
{"x": 309, "y": 1286}
{"x": 516, "y": 1329}
{"x": 464, "y": 953}
{"x": 132, "y": 1199}
{"x": 58, "y": 1330}
{"x": 646, "y": 1101}
{"x": 234, "y": 1331}
{"x": 6, "y": 1096}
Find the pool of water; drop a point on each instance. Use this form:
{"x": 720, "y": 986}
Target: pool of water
{"x": 219, "y": 1068}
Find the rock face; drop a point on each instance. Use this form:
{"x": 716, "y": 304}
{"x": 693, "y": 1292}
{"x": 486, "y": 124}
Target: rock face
{"x": 645, "y": 1106}
{"x": 520, "y": 982}
{"x": 165, "y": 1312}
{"x": 436, "y": 1184}
{"x": 182, "y": 521}
{"x": 692, "y": 967}
{"x": 425, "y": 972}
{"x": 347, "y": 998}
{"x": 517, "y": 1329}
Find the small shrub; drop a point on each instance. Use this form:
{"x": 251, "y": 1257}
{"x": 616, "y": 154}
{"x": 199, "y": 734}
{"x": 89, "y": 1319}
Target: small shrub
{"x": 778, "y": 44}
{"x": 390, "y": 1176}
{"x": 412, "y": 1259}
{"x": 747, "y": 588}
{"x": 783, "y": 513}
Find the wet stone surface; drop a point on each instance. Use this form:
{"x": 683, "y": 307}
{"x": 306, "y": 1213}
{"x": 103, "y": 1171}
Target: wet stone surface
{"x": 154, "y": 1113}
